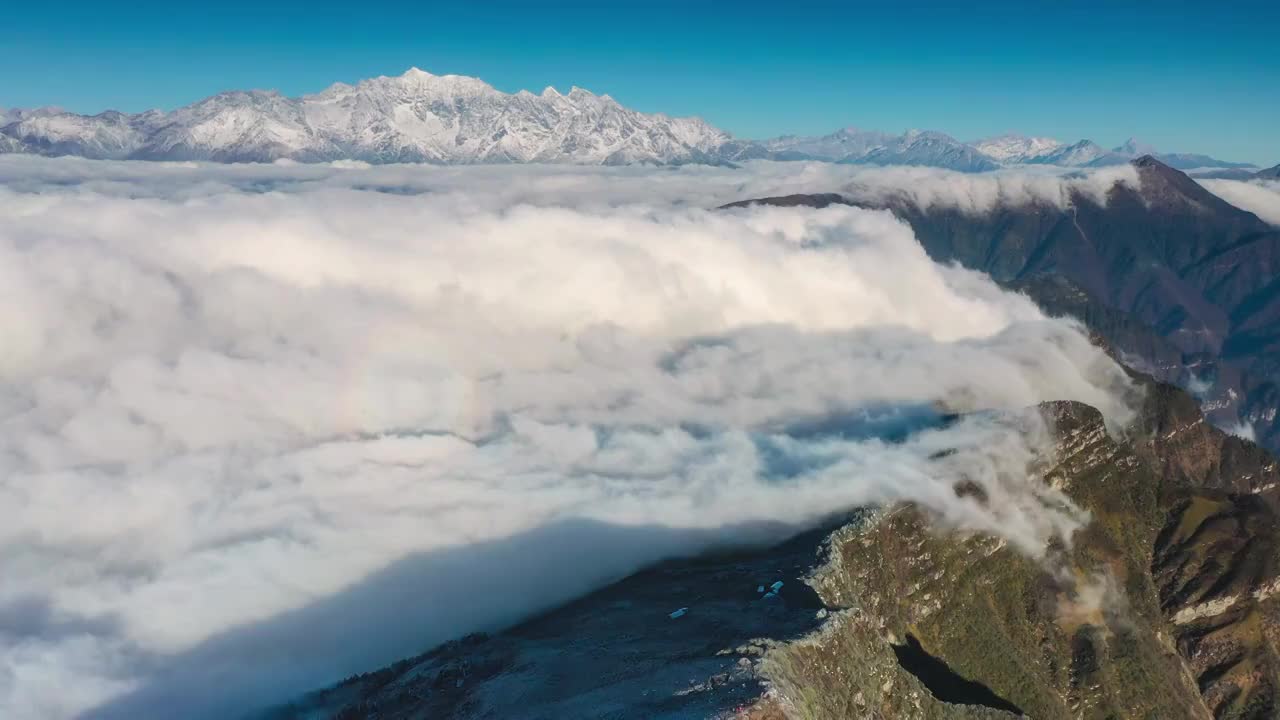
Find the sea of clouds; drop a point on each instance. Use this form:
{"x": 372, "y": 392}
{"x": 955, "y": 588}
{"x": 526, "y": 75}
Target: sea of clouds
{"x": 268, "y": 426}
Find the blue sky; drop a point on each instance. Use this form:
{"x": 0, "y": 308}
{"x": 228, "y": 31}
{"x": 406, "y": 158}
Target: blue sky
{"x": 1192, "y": 77}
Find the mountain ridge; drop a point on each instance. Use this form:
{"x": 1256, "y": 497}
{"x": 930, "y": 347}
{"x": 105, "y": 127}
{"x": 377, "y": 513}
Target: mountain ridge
{"x": 419, "y": 117}
{"x": 414, "y": 117}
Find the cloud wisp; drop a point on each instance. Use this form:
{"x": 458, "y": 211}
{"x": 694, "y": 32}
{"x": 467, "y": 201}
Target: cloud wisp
{"x": 1260, "y": 197}
{"x": 233, "y": 394}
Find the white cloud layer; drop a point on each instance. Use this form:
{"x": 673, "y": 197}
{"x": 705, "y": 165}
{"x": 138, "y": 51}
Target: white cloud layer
{"x": 266, "y": 426}
{"x": 500, "y": 186}
{"x": 1260, "y": 197}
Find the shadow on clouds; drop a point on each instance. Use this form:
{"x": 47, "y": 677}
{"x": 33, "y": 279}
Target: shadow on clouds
{"x": 404, "y": 609}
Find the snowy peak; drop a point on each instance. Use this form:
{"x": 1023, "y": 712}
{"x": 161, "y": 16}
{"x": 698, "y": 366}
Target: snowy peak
{"x": 413, "y": 117}
{"x": 1012, "y": 148}
{"x": 54, "y": 132}
{"x": 852, "y": 145}
{"x": 442, "y": 85}
{"x": 933, "y": 149}
{"x": 418, "y": 116}
{"x": 1085, "y": 153}
{"x": 1021, "y": 150}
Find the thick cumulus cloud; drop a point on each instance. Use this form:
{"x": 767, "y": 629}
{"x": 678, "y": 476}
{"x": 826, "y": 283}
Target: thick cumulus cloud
{"x": 1260, "y": 197}
{"x": 268, "y": 426}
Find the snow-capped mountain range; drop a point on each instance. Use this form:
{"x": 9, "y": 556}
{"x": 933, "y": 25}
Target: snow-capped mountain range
{"x": 453, "y": 119}
{"x": 416, "y": 117}
{"x": 1014, "y": 149}
{"x": 1022, "y": 150}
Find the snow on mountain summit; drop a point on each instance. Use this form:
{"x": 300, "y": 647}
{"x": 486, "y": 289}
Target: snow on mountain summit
{"x": 1013, "y": 148}
{"x": 414, "y": 117}
{"x": 930, "y": 148}
{"x": 870, "y": 147}
{"x": 1080, "y": 154}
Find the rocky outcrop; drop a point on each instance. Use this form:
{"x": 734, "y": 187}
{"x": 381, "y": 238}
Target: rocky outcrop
{"x": 1162, "y": 607}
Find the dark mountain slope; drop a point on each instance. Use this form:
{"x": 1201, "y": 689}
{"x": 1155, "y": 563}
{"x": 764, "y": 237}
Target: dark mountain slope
{"x": 1182, "y": 264}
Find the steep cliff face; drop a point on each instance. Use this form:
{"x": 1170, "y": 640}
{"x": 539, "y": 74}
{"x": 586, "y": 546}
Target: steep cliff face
{"x": 1165, "y": 605}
